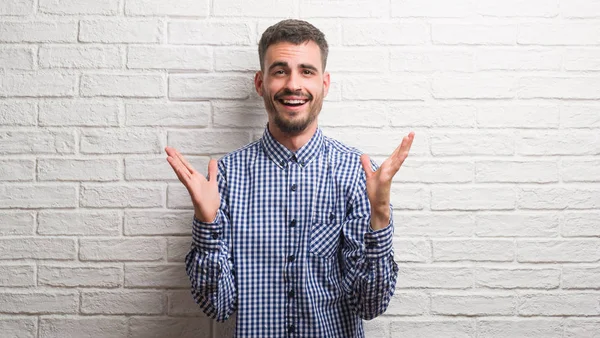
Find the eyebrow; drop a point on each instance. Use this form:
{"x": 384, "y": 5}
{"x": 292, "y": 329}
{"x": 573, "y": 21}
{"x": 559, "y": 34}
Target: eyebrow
{"x": 285, "y": 64}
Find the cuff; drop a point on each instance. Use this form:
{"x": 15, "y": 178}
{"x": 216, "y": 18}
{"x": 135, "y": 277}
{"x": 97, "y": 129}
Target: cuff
{"x": 207, "y": 236}
{"x": 378, "y": 243}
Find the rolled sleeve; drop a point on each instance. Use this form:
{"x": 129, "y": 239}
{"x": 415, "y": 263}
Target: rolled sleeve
{"x": 379, "y": 243}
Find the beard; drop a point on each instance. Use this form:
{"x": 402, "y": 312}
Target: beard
{"x": 293, "y": 126}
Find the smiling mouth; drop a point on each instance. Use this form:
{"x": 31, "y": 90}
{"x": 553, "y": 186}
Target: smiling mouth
{"x": 292, "y": 103}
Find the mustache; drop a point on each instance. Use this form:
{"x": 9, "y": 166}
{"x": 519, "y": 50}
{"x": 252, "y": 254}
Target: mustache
{"x": 287, "y": 92}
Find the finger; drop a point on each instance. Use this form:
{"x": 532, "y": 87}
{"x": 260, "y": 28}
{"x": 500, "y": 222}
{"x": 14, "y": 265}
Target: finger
{"x": 366, "y": 164}
{"x": 181, "y": 172}
{"x": 185, "y": 163}
{"x": 212, "y": 170}
{"x": 401, "y": 152}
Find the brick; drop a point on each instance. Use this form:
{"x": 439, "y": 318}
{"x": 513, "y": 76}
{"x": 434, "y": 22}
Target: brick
{"x": 37, "y": 196}
{"x": 38, "y": 31}
{"x": 38, "y": 84}
{"x": 236, "y": 59}
{"x": 97, "y": 327}
{"x": 435, "y": 225}
{"x": 17, "y": 7}
{"x": 17, "y": 170}
{"x": 152, "y": 327}
{"x": 39, "y": 302}
{"x": 16, "y": 223}
{"x": 17, "y": 113}
{"x": 37, "y": 142}
{"x": 579, "y": 327}
{"x": 122, "y": 302}
{"x": 78, "y": 113}
{"x": 472, "y": 143}
{"x": 547, "y": 87}
{"x": 357, "y": 60}
{"x": 169, "y": 57}
{"x": 434, "y": 328}
{"x": 580, "y": 170}
{"x": 80, "y": 57}
{"x": 181, "y": 303}
{"x": 558, "y": 250}
{"x": 69, "y": 7}
{"x": 78, "y": 170}
{"x": 430, "y": 60}
{"x": 80, "y": 275}
{"x": 384, "y": 88}
{"x": 518, "y": 8}
{"x": 473, "y": 86}
{"x": 196, "y": 114}
{"x": 472, "y": 304}
{"x": 517, "y": 225}
{"x": 208, "y": 33}
{"x": 158, "y": 169}
{"x": 122, "y": 85}
{"x": 17, "y": 276}
{"x": 518, "y": 116}
{"x": 516, "y": 171}
{"x": 79, "y": 223}
{"x": 559, "y": 304}
{"x": 580, "y": 9}
{"x": 518, "y": 59}
{"x": 199, "y": 87}
{"x": 359, "y": 114}
{"x": 120, "y": 141}
{"x": 434, "y": 276}
{"x": 126, "y": 249}
{"x": 121, "y": 31}
{"x": 411, "y": 250}
{"x": 206, "y": 142}
{"x": 531, "y": 328}
{"x": 497, "y": 250}
{"x": 579, "y": 116}
{"x": 377, "y": 328}
{"x": 178, "y": 197}
{"x": 517, "y": 278}
{"x": 254, "y": 8}
{"x": 50, "y": 248}
{"x": 558, "y": 143}
{"x": 376, "y": 142}
{"x": 581, "y": 59}
{"x": 178, "y": 8}
{"x": 431, "y": 171}
{"x": 431, "y": 9}
{"x": 429, "y": 116}
{"x": 577, "y": 224}
{"x": 473, "y": 34}
{"x": 580, "y": 277}
{"x": 330, "y": 27}
{"x": 177, "y": 248}
{"x": 408, "y": 304}
{"x": 558, "y": 198}
{"x": 343, "y": 9}
{"x": 479, "y": 198}
{"x": 19, "y": 327}
{"x": 157, "y": 223}
{"x": 240, "y": 114}
{"x": 20, "y": 57}
{"x": 156, "y": 276}
{"x": 121, "y": 196}
{"x": 378, "y": 33}
{"x": 557, "y": 34}
{"x": 409, "y": 198}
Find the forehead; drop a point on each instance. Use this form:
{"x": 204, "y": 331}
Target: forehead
{"x": 304, "y": 53}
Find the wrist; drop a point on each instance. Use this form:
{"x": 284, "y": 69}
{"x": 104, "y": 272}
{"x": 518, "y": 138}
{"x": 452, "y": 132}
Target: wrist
{"x": 380, "y": 218}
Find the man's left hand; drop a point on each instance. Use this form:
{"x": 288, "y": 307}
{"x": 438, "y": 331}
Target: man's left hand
{"x": 379, "y": 182}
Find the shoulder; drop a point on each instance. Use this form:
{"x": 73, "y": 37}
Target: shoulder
{"x": 240, "y": 154}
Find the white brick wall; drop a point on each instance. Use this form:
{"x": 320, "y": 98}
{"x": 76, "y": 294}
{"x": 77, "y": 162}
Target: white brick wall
{"x": 497, "y": 208}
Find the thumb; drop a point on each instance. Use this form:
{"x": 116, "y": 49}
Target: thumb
{"x": 366, "y": 164}
{"x": 212, "y": 170}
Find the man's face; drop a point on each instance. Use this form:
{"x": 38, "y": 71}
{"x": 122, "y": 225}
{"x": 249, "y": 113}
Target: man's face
{"x": 292, "y": 85}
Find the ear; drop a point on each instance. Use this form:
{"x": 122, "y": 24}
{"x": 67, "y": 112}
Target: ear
{"x": 258, "y": 81}
{"x": 326, "y": 83}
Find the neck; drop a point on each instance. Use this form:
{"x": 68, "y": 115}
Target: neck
{"x": 295, "y": 141}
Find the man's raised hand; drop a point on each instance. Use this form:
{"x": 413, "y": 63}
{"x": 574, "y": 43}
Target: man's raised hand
{"x": 204, "y": 191}
{"x": 379, "y": 182}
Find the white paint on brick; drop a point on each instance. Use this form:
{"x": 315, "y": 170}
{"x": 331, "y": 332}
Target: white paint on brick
{"x": 177, "y": 248}
{"x": 494, "y": 250}
{"x": 579, "y": 116}
{"x": 517, "y": 224}
{"x": 518, "y": 116}
{"x": 431, "y": 8}
{"x": 19, "y": 327}
{"x": 531, "y": 328}
{"x": 581, "y": 224}
{"x": 516, "y": 171}
{"x": 473, "y": 86}
{"x": 122, "y": 302}
{"x": 169, "y": 57}
{"x": 558, "y": 198}
{"x": 385, "y": 33}
{"x": 435, "y": 225}
{"x": 158, "y": 327}
{"x": 579, "y": 327}
{"x": 158, "y": 169}
{"x": 157, "y": 223}
{"x": 121, "y": 196}
{"x": 38, "y": 31}
{"x": 517, "y": 59}
{"x": 411, "y": 250}
{"x": 78, "y": 113}
{"x": 194, "y": 87}
{"x": 21, "y": 57}
{"x": 208, "y": 33}
{"x": 434, "y": 328}
{"x": 16, "y": 7}
{"x": 517, "y": 278}
{"x": 17, "y": 113}
{"x": 196, "y": 8}
{"x": 471, "y": 143}
{"x": 181, "y": 304}
{"x": 13, "y": 275}
{"x": 69, "y": 7}
{"x": 559, "y": 304}
{"x": 156, "y": 276}
{"x": 473, "y": 34}
{"x": 434, "y": 276}
{"x": 17, "y": 170}
{"x": 78, "y": 170}
{"x": 558, "y": 250}
{"x": 39, "y": 302}
{"x": 409, "y": 303}
{"x": 206, "y": 142}
{"x": 120, "y": 141}
{"x": 72, "y": 326}
{"x": 518, "y": 8}
{"x": 558, "y": 87}
{"x": 38, "y": 84}
{"x": 138, "y": 85}
{"x": 121, "y": 31}
{"x": 37, "y": 196}
{"x": 431, "y": 60}
{"x": 471, "y": 304}
{"x": 14, "y": 223}
{"x": 122, "y": 249}
{"x": 254, "y": 8}
{"x": 79, "y": 57}
{"x": 195, "y": 114}
{"x": 80, "y": 275}
{"x": 580, "y": 277}
{"x": 558, "y": 33}
{"x": 79, "y": 223}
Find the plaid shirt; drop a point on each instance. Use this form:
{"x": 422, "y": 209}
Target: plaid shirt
{"x": 291, "y": 248}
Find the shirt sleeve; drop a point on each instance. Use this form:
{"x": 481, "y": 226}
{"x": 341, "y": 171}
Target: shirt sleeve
{"x": 368, "y": 257}
{"x": 209, "y": 263}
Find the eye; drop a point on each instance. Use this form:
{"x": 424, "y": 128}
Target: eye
{"x": 279, "y": 72}
{"x": 308, "y": 72}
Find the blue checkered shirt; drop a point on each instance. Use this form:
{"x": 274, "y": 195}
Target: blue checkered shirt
{"x": 291, "y": 248}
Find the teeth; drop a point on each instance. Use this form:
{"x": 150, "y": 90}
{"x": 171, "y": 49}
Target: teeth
{"x": 293, "y": 101}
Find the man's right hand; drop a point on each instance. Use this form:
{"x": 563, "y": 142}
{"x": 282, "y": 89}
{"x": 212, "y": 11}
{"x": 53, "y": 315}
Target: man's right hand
{"x": 204, "y": 191}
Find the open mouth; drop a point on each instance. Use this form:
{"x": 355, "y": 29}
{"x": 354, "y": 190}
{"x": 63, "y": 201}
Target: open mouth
{"x": 292, "y": 103}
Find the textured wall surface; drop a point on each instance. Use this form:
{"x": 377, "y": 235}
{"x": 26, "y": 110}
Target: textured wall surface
{"x": 497, "y": 209}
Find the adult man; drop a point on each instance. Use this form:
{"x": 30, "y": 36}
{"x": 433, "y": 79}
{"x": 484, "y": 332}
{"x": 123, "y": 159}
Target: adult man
{"x": 293, "y": 231}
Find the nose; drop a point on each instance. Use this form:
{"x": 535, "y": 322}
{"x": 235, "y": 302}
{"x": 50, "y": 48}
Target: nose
{"x": 293, "y": 82}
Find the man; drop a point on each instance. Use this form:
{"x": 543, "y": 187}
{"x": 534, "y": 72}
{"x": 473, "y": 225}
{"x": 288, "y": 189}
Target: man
{"x": 293, "y": 231}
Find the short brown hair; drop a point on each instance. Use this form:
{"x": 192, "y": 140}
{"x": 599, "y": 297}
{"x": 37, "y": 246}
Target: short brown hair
{"x": 293, "y": 31}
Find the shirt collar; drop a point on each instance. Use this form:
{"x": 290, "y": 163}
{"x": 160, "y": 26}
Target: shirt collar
{"x": 281, "y": 155}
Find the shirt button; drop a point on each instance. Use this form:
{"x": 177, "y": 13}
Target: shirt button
{"x": 294, "y": 187}
{"x": 215, "y": 235}
{"x": 293, "y": 223}
{"x": 291, "y": 258}
{"x": 291, "y": 328}
{"x": 291, "y": 294}
{"x": 331, "y": 216}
